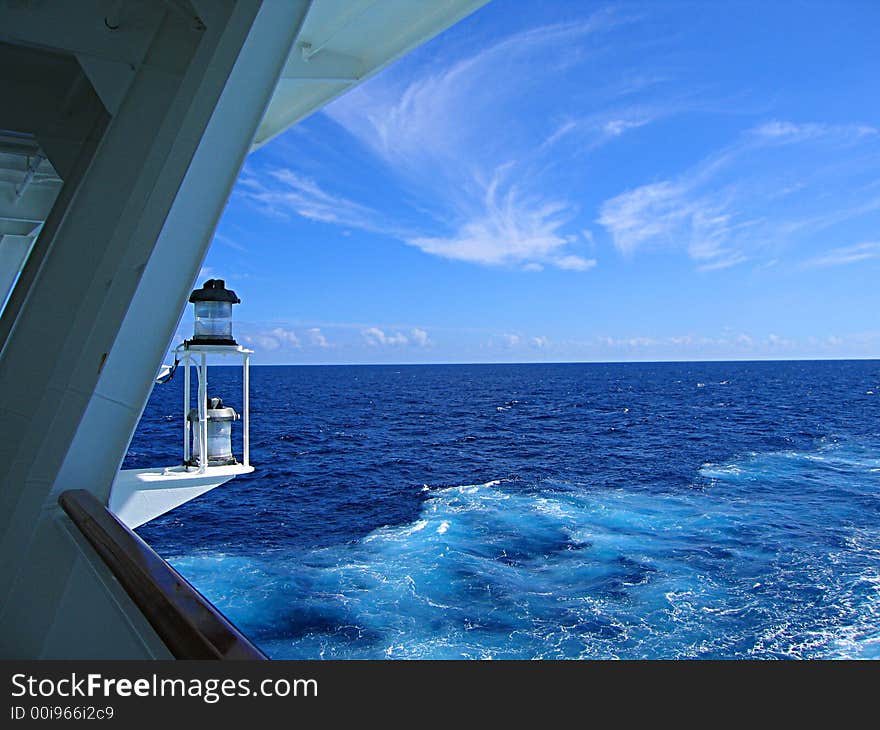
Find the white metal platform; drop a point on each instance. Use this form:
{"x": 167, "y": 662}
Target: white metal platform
{"x": 139, "y": 495}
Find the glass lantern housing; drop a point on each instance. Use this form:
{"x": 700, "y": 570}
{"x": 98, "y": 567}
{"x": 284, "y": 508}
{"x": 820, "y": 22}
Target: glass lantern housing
{"x": 213, "y": 321}
{"x": 212, "y": 306}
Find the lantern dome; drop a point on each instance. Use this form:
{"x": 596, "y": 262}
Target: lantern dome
{"x": 214, "y": 290}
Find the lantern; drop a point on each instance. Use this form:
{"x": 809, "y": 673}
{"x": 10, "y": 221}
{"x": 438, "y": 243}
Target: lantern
{"x": 219, "y": 434}
{"x": 212, "y": 306}
{"x": 207, "y": 428}
{"x": 139, "y": 495}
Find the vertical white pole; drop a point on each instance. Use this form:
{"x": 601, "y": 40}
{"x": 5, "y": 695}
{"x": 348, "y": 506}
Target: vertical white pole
{"x": 187, "y": 426}
{"x": 203, "y": 414}
{"x": 246, "y": 417}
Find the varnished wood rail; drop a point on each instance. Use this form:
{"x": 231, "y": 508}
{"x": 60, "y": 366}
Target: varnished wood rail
{"x": 189, "y": 625}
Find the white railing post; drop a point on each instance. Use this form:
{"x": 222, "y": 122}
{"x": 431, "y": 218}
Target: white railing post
{"x": 203, "y": 414}
{"x": 246, "y": 415}
{"x": 187, "y": 426}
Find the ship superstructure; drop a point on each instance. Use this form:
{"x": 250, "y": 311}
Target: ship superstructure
{"x": 123, "y": 126}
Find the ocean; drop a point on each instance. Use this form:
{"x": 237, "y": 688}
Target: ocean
{"x": 634, "y": 511}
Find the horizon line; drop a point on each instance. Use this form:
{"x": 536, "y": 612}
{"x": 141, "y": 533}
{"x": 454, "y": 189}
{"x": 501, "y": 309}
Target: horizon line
{"x": 566, "y": 362}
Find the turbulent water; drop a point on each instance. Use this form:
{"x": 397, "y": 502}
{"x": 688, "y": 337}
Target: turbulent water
{"x": 704, "y": 510}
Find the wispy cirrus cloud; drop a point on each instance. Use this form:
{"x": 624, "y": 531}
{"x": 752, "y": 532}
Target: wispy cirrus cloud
{"x": 845, "y": 255}
{"x": 510, "y": 229}
{"x": 281, "y": 191}
{"x": 230, "y": 243}
{"x": 592, "y": 131}
{"x": 507, "y": 230}
{"x": 452, "y": 134}
{"x": 484, "y": 178}
{"x": 789, "y": 132}
{"x": 485, "y": 172}
{"x": 428, "y": 120}
{"x": 751, "y": 196}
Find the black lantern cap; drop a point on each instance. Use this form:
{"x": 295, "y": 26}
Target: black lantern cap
{"x": 214, "y": 290}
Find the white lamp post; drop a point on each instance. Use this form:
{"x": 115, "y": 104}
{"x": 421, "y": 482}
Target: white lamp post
{"x": 139, "y": 495}
{"x": 212, "y": 335}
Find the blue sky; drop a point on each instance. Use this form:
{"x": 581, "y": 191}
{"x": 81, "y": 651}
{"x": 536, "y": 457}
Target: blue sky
{"x": 561, "y": 181}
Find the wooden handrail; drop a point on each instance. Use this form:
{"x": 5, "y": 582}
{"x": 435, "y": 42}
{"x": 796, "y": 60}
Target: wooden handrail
{"x": 183, "y": 618}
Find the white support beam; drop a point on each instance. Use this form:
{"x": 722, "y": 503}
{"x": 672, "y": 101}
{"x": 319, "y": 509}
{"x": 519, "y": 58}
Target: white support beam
{"x": 102, "y": 309}
{"x": 152, "y": 316}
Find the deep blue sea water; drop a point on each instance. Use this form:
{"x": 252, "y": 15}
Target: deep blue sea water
{"x": 673, "y": 510}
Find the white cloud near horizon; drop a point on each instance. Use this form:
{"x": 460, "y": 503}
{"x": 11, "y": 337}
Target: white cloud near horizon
{"x": 727, "y": 344}
{"x": 305, "y": 343}
{"x": 282, "y": 338}
{"x": 420, "y": 337}
{"x": 317, "y": 338}
{"x": 376, "y": 337}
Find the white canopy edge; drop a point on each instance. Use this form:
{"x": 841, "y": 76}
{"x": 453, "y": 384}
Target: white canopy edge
{"x": 344, "y": 42}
